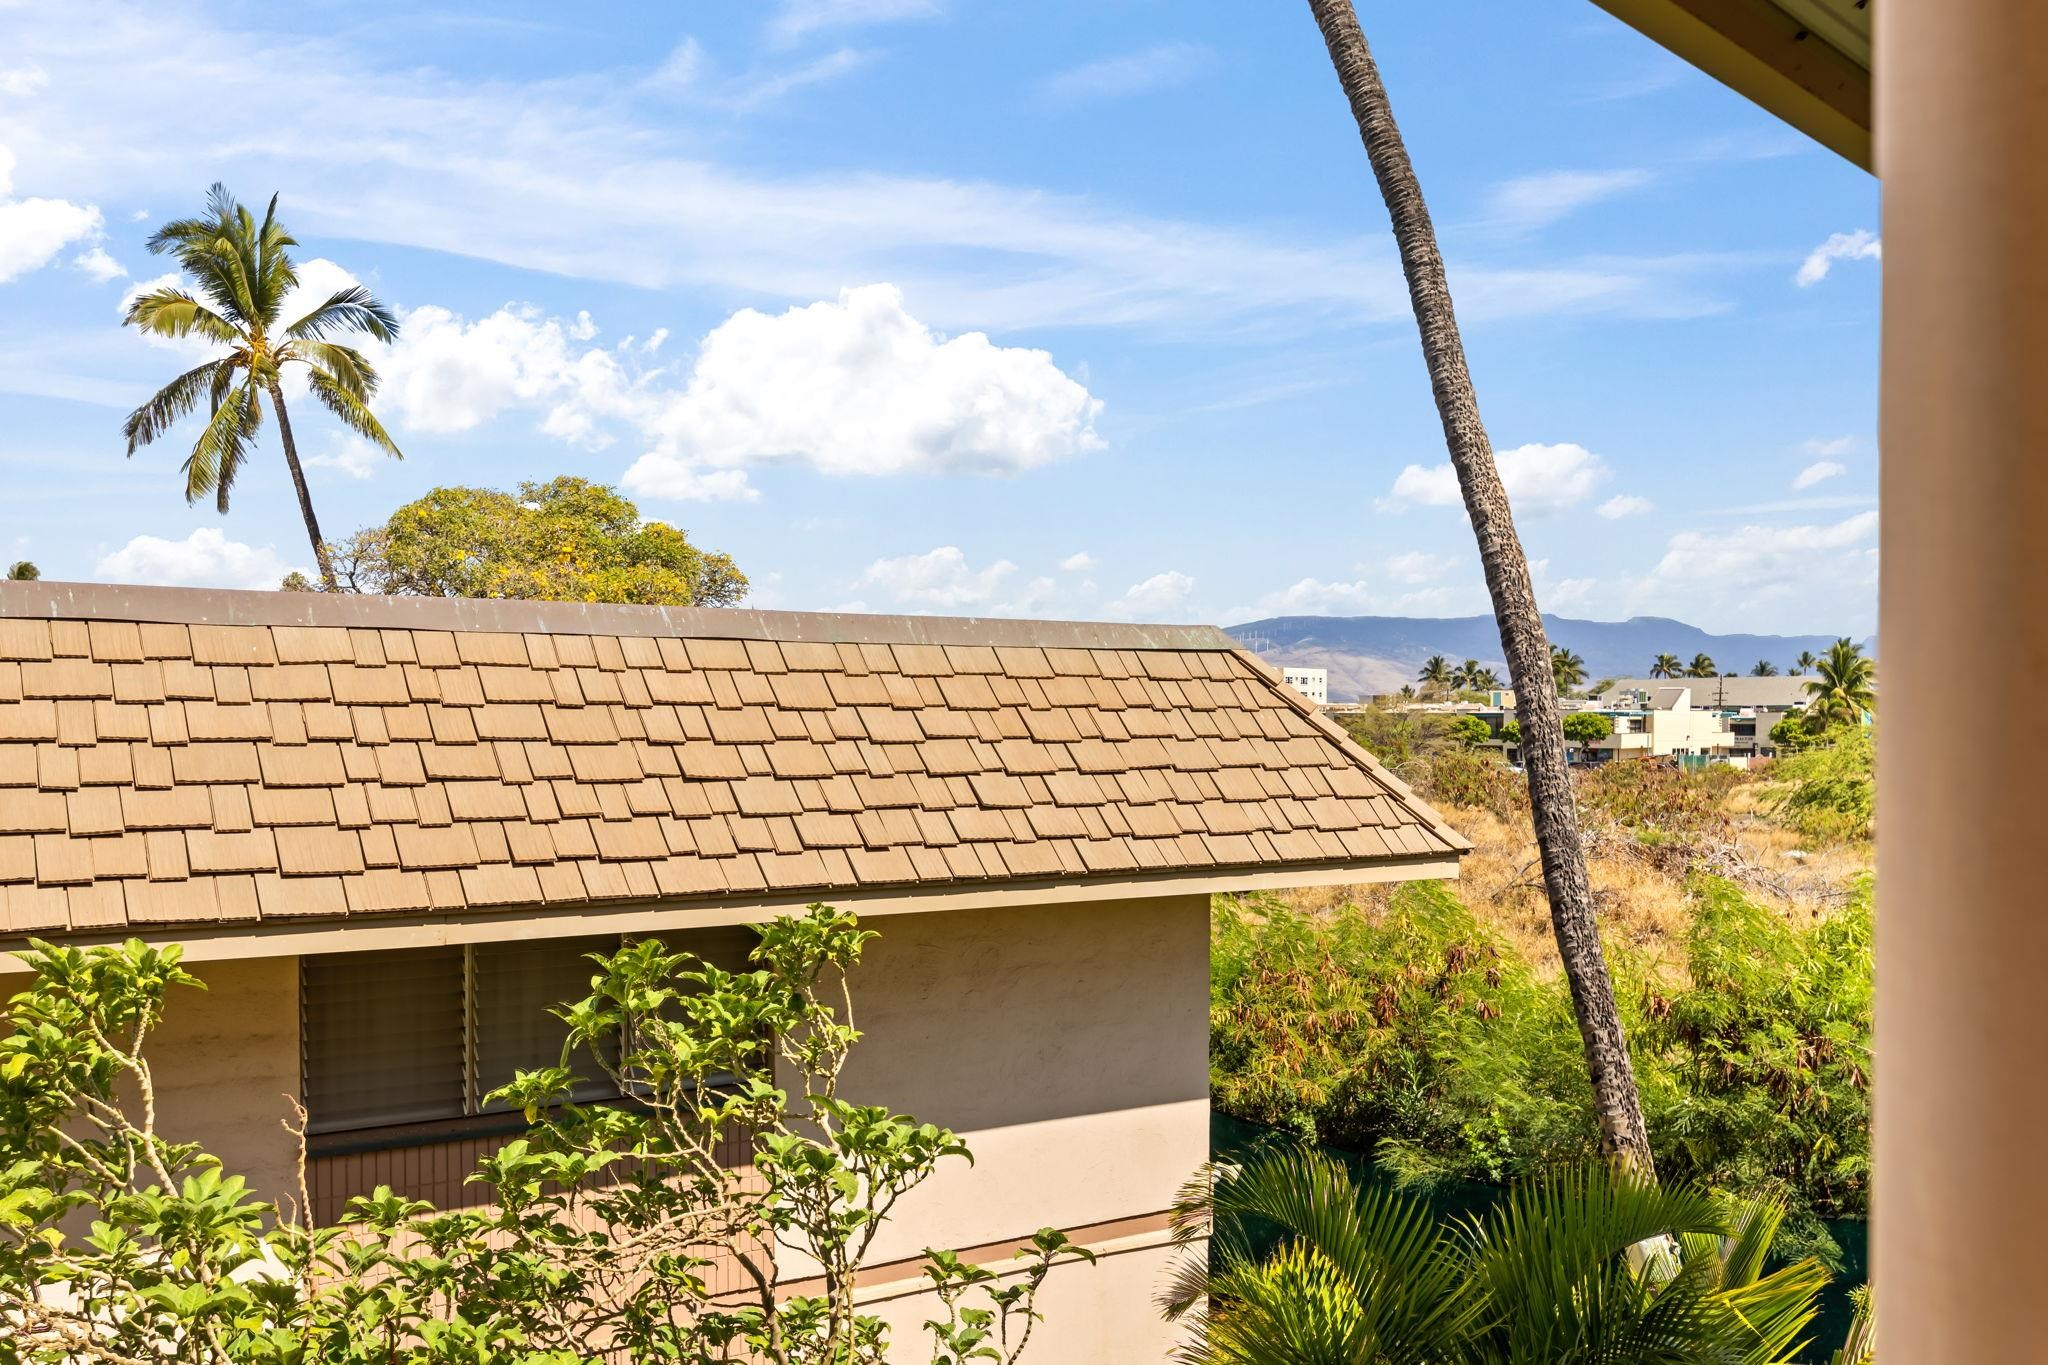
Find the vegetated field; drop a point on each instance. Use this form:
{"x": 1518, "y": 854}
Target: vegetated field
{"x": 1429, "y": 1025}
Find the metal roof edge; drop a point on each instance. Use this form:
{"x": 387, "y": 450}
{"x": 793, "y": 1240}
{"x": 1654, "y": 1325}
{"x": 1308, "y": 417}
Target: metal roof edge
{"x": 225, "y": 607}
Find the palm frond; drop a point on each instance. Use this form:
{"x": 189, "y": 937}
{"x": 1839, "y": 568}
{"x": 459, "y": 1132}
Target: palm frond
{"x": 352, "y": 410}
{"x": 218, "y": 453}
{"x": 348, "y": 367}
{"x": 171, "y": 312}
{"x": 173, "y": 401}
{"x": 353, "y": 309}
{"x": 272, "y": 273}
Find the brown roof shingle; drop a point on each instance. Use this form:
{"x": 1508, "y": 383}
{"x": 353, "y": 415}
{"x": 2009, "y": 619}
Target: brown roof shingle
{"x": 170, "y": 757}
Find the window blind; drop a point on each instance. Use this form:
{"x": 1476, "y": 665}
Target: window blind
{"x": 384, "y": 1038}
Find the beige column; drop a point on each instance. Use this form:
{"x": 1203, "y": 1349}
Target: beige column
{"x": 1962, "y": 1067}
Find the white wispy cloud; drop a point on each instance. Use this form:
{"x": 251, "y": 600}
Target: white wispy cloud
{"x": 1078, "y": 562}
{"x": 1533, "y": 201}
{"x": 19, "y": 82}
{"x": 350, "y": 456}
{"x": 1130, "y": 73}
{"x": 574, "y": 176}
{"x": 97, "y": 263}
{"x": 797, "y": 19}
{"x": 204, "y": 559}
{"x": 1816, "y": 472}
{"x": 33, "y": 231}
{"x": 1539, "y": 479}
{"x": 1625, "y": 505}
{"x": 1827, "y": 447}
{"x": 1755, "y": 567}
{"x": 1152, "y": 597}
{"x": 1860, "y": 245}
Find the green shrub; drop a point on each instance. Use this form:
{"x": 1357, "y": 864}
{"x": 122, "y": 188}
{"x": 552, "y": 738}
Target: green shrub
{"x": 1830, "y": 792}
{"x": 1649, "y": 795}
{"x": 1474, "y": 778}
{"x": 1418, "y": 1036}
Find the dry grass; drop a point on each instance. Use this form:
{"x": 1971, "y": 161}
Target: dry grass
{"x": 1640, "y": 886}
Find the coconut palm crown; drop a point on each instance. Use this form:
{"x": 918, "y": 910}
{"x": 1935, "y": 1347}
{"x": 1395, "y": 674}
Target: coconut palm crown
{"x": 1844, "y": 687}
{"x": 242, "y": 276}
{"x": 1666, "y": 666}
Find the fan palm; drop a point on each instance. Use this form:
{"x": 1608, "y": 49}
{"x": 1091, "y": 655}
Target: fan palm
{"x": 1702, "y": 666}
{"x": 1366, "y": 1276}
{"x": 1436, "y": 674}
{"x": 244, "y": 275}
{"x": 1567, "y": 669}
{"x": 1844, "y": 688}
{"x": 1666, "y": 666}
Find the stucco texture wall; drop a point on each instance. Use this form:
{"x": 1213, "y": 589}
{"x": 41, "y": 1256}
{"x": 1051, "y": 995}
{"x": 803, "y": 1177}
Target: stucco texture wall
{"x": 1069, "y": 1045}
{"x": 224, "y": 1061}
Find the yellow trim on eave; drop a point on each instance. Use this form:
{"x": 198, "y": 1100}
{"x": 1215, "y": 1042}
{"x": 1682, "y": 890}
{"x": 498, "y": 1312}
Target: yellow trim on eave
{"x": 1763, "y": 54}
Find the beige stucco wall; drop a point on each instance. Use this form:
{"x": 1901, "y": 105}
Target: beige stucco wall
{"x": 224, "y": 1061}
{"x": 1069, "y": 1045}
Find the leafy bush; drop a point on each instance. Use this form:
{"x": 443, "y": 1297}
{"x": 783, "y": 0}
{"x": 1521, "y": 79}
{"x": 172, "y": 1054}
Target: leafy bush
{"x": 1474, "y": 778}
{"x": 1830, "y": 792}
{"x": 1397, "y": 736}
{"x": 1470, "y": 731}
{"x": 1645, "y": 795}
{"x": 1417, "y": 1036}
{"x": 1767, "y": 1054}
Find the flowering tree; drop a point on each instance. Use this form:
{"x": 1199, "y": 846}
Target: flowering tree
{"x": 119, "y": 1244}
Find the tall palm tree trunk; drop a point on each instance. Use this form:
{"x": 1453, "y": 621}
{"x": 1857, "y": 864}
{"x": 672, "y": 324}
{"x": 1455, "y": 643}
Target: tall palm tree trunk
{"x": 1507, "y": 580}
{"x": 291, "y": 460}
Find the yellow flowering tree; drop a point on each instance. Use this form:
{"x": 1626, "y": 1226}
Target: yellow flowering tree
{"x": 566, "y": 540}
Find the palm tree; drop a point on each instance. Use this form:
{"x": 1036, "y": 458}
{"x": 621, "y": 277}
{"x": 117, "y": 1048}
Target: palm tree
{"x": 1702, "y": 666}
{"x": 1435, "y": 676}
{"x": 1804, "y": 663}
{"x": 244, "y": 271}
{"x": 1468, "y": 673}
{"x": 1506, "y": 568}
{"x": 23, "y": 571}
{"x": 1361, "y": 1275}
{"x": 1844, "y": 689}
{"x": 1567, "y": 669}
{"x": 1485, "y": 680}
{"x": 1764, "y": 669}
{"x": 1666, "y": 666}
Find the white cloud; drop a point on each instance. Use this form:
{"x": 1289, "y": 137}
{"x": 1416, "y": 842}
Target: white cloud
{"x": 1313, "y": 597}
{"x": 801, "y": 17}
{"x": 1860, "y": 245}
{"x": 448, "y": 374}
{"x": 1625, "y": 505}
{"x": 1539, "y": 479}
{"x": 583, "y": 329}
{"x": 1160, "y": 593}
{"x": 19, "y": 82}
{"x": 1533, "y": 201}
{"x": 1826, "y": 447}
{"x": 349, "y": 455}
{"x": 1132, "y": 73}
{"x": 1078, "y": 562}
{"x": 575, "y": 176}
{"x": 34, "y": 231}
{"x": 204, "y": 559}
{"x": 1816, "y": 472}
{"x": 859, "y": 386}
{"x": 939, "y": 578}
{"x": 1416, "y": 566}
{"x": 98, "y": 264}
{"x": 1757, "y": 565}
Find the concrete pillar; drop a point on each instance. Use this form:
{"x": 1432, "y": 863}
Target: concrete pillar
{"x": 1962, "y": 1028}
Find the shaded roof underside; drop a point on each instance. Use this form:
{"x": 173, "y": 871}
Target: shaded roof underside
{"x": 1806, "y": 61}
{"x": 172, "y": 757}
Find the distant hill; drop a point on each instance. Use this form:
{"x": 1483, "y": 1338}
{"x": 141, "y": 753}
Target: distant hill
{"x": 1372, "y": 654}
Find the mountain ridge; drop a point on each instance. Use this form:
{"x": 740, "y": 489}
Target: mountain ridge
{"x": 1367, "y": 655}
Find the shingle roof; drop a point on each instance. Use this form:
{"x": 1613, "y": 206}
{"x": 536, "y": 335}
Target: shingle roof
{"x": 178, "y": 757}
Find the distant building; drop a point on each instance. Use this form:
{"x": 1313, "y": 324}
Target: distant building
{"x": 1749, "y": 707}
{"x": 1313, "y": 683}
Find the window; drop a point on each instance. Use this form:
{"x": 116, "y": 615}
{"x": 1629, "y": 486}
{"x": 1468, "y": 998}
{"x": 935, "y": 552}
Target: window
{"x": 423, "y": 1035}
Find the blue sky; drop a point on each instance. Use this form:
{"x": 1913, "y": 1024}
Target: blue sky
{"x": 1068, "y": 309}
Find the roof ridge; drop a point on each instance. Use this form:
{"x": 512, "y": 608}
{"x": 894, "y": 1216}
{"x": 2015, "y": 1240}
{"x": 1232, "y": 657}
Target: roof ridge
{"x": 46, "y": 600}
